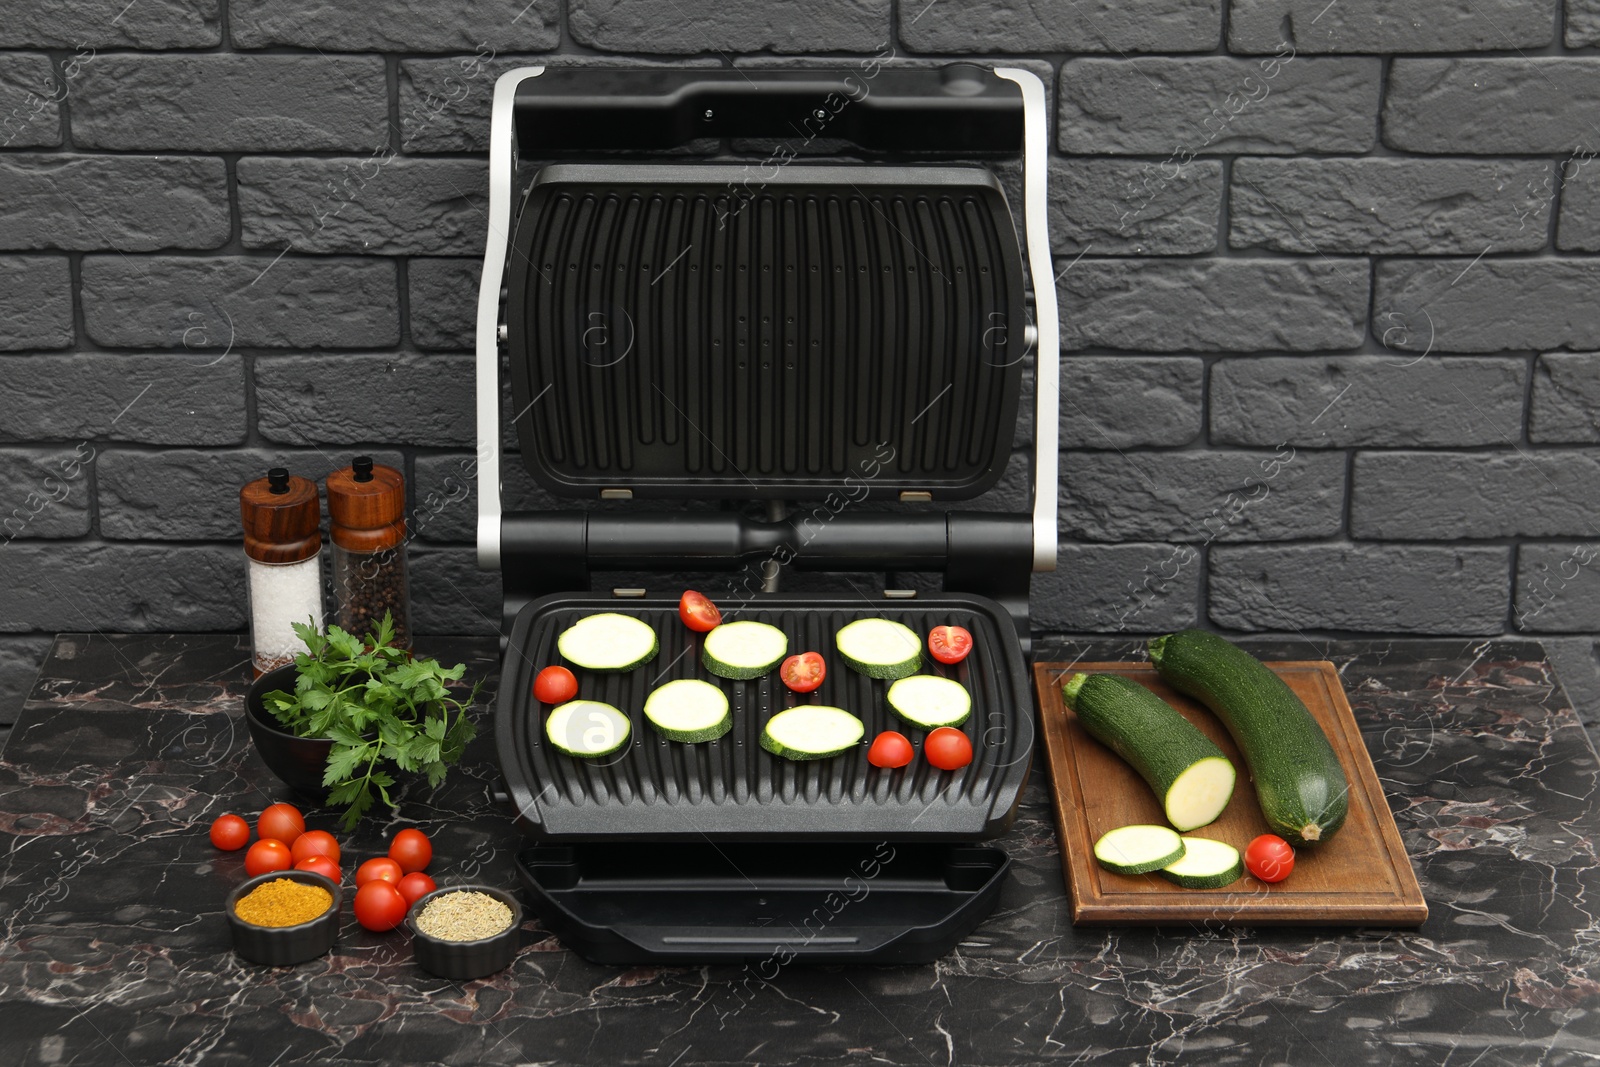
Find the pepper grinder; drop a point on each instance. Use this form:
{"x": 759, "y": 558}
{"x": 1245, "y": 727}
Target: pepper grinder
{"x": 367, "y": 513}
{"x": 282, "y": 545}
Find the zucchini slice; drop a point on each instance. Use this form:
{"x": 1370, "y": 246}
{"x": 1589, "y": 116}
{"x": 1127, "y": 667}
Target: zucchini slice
{"x": 928, "y": 701}
{"x": 608, "y": 643}
{"x": 689, "y": 710}
{"x": 587, "y": 728}
{"x": 1205, "y": 864}
{"x": 743, "y": 650}
{"x": 1138, "y": 849}
{"x": 811, "y": 731}
{"x": 879, "y": 648}
{"x": 1190, "y": 775}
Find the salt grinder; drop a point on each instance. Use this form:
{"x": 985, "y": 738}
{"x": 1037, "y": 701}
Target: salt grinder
{"x": 366, "y": 509}
{"x": 282, "y": 544}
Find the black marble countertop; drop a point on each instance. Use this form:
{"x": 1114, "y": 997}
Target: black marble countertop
{"x": 113, "y": 948}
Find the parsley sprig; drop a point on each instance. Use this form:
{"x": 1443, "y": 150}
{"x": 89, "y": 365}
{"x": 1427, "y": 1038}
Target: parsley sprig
{"x": 379, "y": 706}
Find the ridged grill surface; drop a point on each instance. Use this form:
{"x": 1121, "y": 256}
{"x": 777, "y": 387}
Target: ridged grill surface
{"x": 731, "y": 787}
{"x": 765, "y": 340}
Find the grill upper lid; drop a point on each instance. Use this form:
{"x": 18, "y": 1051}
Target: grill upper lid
{"x": 693, "y": 330}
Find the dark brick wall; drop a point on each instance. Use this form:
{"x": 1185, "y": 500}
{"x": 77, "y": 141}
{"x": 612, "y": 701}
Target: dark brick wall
{"x": 1330, "y": 311}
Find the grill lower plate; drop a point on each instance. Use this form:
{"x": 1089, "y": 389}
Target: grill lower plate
{"x": 656, "y": 789}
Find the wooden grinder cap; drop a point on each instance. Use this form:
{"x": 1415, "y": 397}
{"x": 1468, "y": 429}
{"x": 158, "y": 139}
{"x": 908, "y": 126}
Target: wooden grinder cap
{"x": 281, "y": 517}
{"x": 367, "y": 506}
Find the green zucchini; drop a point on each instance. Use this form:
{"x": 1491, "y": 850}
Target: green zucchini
{"x": 879, "y": 648}
{"x": 1299, "y": 783}
{"x": 811, "y": 731}
{"x": 1138, "y": 849}
{"x": 1190, "y": 775}
{"x": 689, "y": 710}
{"x": 743, "y": 650}
{"x": 1205, "y": 864}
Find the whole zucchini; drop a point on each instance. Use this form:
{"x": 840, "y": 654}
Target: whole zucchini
{"x": 1190, "y": 775}
{"x": 1301, "y": 786}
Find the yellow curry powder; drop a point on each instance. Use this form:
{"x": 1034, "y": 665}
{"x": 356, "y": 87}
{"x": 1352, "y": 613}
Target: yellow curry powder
{"x": 283, "y": 902}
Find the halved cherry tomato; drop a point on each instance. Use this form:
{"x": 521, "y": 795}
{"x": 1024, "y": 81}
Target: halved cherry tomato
{"x": 411, "y": 849}
{"x": 268, "y": 854}
{"x": 555, "y": 685}
{"x": 415, "y": 886}
{"x": 1270, "y": 858}
{"x": 947, "y": 748}
{"x": 230, "y": 833}
{"x": 698, "y": 613}
{"x": 315, "y": 843}
{"x": 949, "y": 644}
{"x": 890, "y": 749}
{"x": 320, "y": 864}
{"x": 379, "y": 906}
{"x": 804, "y": 672}
{"x": 282, "y": 822}
{"x": 382, "y": 869}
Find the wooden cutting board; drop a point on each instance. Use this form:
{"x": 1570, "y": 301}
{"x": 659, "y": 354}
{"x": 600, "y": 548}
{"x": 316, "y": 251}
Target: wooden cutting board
{"x": 1361, "y": 876}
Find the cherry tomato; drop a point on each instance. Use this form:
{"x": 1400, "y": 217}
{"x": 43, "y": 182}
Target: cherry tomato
{"x": 698, "y": 613}
{"x": 949, "y": 644}
{"x": 282, "y": 822}
{"x": 1270, "y": 858}
{"x": 948, "y": 748}
{"x": 268, "y": 854}
{"x": 890, "y": 749}
{"x": 415, "y": 886}
{"x": 314, "y": 843}
{"x": 379, "y": 906}
{"x": 804, "y": 672}
{"x": 230, "y": 833}
{"x": 382, "y": 869}
{"x": 555, "y": 685}
{"x": 322, "y": 865}
{"x": 412, "y": 850}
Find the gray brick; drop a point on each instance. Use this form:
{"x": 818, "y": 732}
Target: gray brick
{"x": 131, "y": 203}
{"x": 1583, "y": 23}
{"x": 698, "y": 26}
{"x": 152, "y": 399}
{"x": 375, "y": 204}
{"x": 30, "y": 101}
{"x": 1383, "y": 206}
{"x": 450, "y": 595}
{"x": 1161, "y": 106}
{"x": 444, "y": 302}
{"x": 1113, "y": 206}
{"x": 1201, "y": 496}
{"x": 1493, "y": 305}
{"x": 445, "y": 507}
{"x": 90, "y": 24}
{"x": 395, "y": 25}
{"x": 1140, "y": 588}
{"x": 1566, "y": 399}
{"x": 1375, "y": 588}
{"x": 192, "y": 495}
{"x": 208, "y": 304}
{"x": 44, "y": 492}
{"x": 19, "y": 666}
{"x": 1432, "y": 496}
{"x": 1129, "y": 401}
{"x": 1578, "y": 229}
{"x": 231, "y": 103}
{"x": 1384, "y": 401}
{"x": 1061, "y": 26}
{"x": 82, "y": 586}
{"x": 1214, "y": 304}
{"x": 404, "y": 399}
{"x": 1383, "y": 26}
{"x": 1489, "y": 106}
{"x": 35, "y": 303}
{"x": 1577, "y": 665}
{"x": 1558, "y": 588}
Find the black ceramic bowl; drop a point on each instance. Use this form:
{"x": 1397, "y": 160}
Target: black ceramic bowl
{"x": 465, "y": 960}
{"x": 284, "y": 946}
{"x": 299, "y": 761}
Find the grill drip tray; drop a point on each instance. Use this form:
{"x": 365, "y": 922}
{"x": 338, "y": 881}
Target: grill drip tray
{"x": 762, "y": 904}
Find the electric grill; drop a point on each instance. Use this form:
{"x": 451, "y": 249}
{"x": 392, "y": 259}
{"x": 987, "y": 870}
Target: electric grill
{"x": 837, "y": 339}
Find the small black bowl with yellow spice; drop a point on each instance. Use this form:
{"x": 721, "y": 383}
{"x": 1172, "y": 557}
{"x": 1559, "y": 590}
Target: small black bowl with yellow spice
{"x": 284, "y": 917}
{"x": 465, "y": 931}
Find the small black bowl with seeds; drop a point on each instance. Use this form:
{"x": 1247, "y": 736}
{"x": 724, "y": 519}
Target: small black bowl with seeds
{"x": 465, "y": 931}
